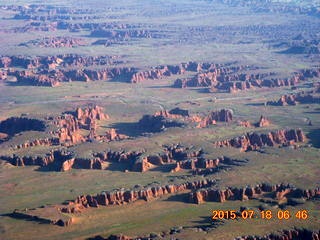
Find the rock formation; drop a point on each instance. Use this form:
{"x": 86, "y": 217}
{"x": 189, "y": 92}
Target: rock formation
{"x": 230, "y": 79}
{"x": 178, "y": 152}
{"x": 38, "y": 142}
{"x": 68, "y": 130}
{"x": 197, "y": 164}
{"x": 223, "y": 115}
{"x": 87, "y": 116}
{"x": 120, "y": 197}
{"x": 280, "y": 191}
{"x": 173, "y": 113}
{"x": 57, "y": 157}
{"x": 56, "y": 42}
{"x": 291, "y": 234}
{"x": 263, "y": 122}
{"x": 294, "y": 99}
{"x": 253, "y": 141}
{"x": 244, "y": 123}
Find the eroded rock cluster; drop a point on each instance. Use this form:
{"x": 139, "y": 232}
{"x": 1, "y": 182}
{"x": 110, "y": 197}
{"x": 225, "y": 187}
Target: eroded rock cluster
{"x": 291, "y": 234}
{"x": 120, "y": 197}
{"x": 57, "y": 42}
{"x": 294, "y": 99}
{"x": 223, "y": 115}
{"x": 280, "y": 191}
{"x": 228, "y": 79}
{"x": 252, "y": 141}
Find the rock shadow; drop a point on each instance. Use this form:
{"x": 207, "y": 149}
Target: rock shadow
{"x": 129, "y": 129}
{"x": 183, "y": 197}
{"x": 314, "y": 137}
{"x": 206, "y": 223}
{"x": 147, "y": 125}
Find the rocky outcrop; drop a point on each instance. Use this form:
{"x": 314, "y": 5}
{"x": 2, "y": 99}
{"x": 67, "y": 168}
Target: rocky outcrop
{"x": 223, "y": 115}
{"x": 56, "y": 157}
{"x": 15, "y": 125}
{"x": 55, "y": 77}
{"x": 253, "y": 141}
{"x": 294, "y": 99}
{"x": 121, "y": 34}
{"x": 157, "y": 73}
{"x": 68, "y": 130}
{"x": 292, "y": 234}
{"x": 51, "y": 62}
{"x": 86, "y": 117}
{"x": 263, "y": 122}
{"x": 142, "y": 165}
{"x": 56, "y": 42}
{"x": 23, "y": 161}
{"x": 61, "y": 160}
{"x": 131, "y": 160}
{"x": 52, "y": 70}
{"x": 244, "y": 123}
{"x": 169, "y": 70}
{"x": 173, "y": 113}
{"x": 111, "y": 135}
{"x": 197, "y": 164}
{"x": 57, "y": 160}
{"x": 178, "y": 152}
{"x": 38, "y": 142}
{"x": 70, "y": 124}
{"x": 120, "y": 197}
{"x": 279, "y": 191}
{"x": 43, "y": 71}
{"x": 232, "y": 80}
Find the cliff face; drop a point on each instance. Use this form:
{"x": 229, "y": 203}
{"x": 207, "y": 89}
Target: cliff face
{"x": 279, "y": 191}
{"x": 253, "y": 141}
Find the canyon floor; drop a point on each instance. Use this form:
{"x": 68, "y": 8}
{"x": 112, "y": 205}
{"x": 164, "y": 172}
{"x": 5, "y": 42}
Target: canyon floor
{"x": 139, "y": 119}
